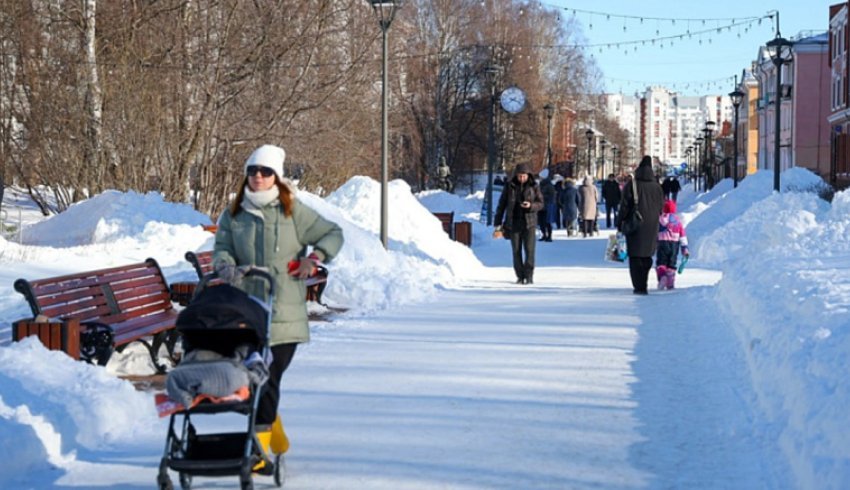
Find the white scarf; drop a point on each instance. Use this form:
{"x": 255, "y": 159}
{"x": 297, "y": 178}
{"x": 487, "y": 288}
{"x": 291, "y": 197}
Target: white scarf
{"x": 254, "y": 201}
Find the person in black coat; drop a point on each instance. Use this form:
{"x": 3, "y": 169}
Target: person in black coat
{"x": 671, "y": 188}
{"x": 641, "y": 244}
{"x": 568, "y": 200}
{"x": 546, "y": 216}
{"x": 516, "y": 217}
{"x": 611, "y": 195}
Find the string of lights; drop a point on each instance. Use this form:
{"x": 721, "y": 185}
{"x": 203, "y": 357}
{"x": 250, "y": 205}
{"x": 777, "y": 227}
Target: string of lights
{"x": 714, "y": 83}
{"x": 672, "y": 20}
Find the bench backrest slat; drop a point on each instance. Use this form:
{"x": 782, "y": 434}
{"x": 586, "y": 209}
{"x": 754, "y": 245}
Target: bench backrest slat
{"x": 201, "y": 261}
{"x": 107, "y": 295}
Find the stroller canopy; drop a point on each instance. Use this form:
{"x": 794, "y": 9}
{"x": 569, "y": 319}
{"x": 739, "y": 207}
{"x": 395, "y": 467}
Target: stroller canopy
{"x": 221, "y": 317}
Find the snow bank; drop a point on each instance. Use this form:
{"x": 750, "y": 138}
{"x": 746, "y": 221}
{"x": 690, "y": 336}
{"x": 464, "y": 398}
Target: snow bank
{"x": 108, "y": 217}
{"x": 720, "y": 206}
{"x": 786, "y": 290}
{"x": 55, "y": 404}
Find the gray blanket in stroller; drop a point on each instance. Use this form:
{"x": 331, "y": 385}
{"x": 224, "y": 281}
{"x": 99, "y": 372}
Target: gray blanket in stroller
{"x": 209, "y": 373}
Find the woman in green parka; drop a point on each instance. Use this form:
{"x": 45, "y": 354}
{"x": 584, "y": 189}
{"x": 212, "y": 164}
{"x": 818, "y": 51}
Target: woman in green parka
{"x": 267, "y": 226}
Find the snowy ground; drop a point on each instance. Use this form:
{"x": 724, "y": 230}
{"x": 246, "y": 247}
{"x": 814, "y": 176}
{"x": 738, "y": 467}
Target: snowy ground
{"x": 737, "y": 379}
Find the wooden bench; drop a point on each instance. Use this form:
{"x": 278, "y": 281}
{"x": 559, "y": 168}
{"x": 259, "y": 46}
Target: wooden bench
{"x": 182, "y": 292}
{"x": 446, "y": 219}
{"x": 111, "y": 308}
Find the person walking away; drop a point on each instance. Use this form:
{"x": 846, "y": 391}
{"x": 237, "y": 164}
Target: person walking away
{"x": 675, "y": 187}
{"x": 547, "y": 215}
{"x": 665, "y": 187}
{"x": 558, "y": 181}
{"x": 611, "y": 195}
{"x": 516, "y": 216}
{"x": 640, "y": 245}
{"x": 589, "y": 206}
{"x": 569, "y": 202}
{"x": 267, "y": 226}
{"x": 671, "y": 237}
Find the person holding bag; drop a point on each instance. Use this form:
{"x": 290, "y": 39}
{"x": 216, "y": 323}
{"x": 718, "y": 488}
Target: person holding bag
{"x": 516, "y": 218}
{"x": 640, "y": 210}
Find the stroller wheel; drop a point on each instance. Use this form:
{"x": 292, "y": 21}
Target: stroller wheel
{"x": 279, "y": 470}
{"x": 185, "y": 481}
{"x": 164, "y": 483}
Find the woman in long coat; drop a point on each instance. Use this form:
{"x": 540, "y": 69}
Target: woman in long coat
{"x": 568, "y": 200}
{"x": 588, "y": 209}
{"x": 267, "y": 226}
{"x": 641, "y": 244}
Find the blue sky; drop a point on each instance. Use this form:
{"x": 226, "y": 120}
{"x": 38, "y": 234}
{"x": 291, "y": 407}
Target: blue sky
{"x": 690, "y": 67}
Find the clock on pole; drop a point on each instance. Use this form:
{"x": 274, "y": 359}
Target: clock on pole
{"x": 513, "y": 99}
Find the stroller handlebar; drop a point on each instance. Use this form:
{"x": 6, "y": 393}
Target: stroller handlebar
{"x": 246, "y": 271}
{"x": 262, "y": 272}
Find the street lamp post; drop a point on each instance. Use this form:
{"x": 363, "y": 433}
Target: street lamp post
{"x": 550, "y": 111}
{"x": 737, "y": 97}
{"x": 603, "y": 144}
{"x": 709, "y": 154}
{"x": 615, "y": 154}
{"x": 589, "y": 135}
{"x": 385, "y": 11}
{"x": 780, "y": 54}
{"x": 690, "y": 171}
{"x": 698, "y": 164}
{"x": 491, "y": 72}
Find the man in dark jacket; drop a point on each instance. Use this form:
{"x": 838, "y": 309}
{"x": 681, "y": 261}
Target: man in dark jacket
{"x": 611, "y": 195}
{"x": 516, "y": 216}
{"x": 641, "y": 244}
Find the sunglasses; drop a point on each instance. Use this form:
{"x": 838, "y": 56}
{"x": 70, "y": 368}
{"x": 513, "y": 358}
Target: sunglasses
{"x": 253, "y": 170}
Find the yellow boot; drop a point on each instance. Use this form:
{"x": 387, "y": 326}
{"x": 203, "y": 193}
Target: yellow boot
{"x": 265, "y": 438}
{"x": 279, "y": 441}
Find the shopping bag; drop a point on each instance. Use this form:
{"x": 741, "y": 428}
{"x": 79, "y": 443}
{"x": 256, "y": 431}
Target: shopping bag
{"x": 615, "y": 250}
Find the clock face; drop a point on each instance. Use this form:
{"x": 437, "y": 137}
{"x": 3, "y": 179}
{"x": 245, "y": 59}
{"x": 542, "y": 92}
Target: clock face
{"x": 513, "y": 99}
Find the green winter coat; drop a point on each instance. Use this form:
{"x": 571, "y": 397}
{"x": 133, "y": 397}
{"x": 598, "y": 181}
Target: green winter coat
{"x": 272, "y": 241}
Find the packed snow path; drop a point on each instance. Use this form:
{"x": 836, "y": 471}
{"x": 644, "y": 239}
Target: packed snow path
{"x": 572, "y": 382}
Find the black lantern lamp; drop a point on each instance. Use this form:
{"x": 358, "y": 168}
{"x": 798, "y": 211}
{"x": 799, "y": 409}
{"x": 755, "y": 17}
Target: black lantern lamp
{"x": 780, "y": 53}
{"x": 737, "y": 97}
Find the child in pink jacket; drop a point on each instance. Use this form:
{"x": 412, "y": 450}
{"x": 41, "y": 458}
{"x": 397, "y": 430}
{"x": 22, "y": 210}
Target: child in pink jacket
{"x": 671, "y": 237}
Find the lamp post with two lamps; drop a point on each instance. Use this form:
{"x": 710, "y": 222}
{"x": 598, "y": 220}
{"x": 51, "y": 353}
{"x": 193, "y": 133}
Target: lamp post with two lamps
{"x": 780, "y": 53}
{"x": 385, "y": 11}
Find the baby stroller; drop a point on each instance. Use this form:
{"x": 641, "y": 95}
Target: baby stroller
{"x": 221, "y": 320}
